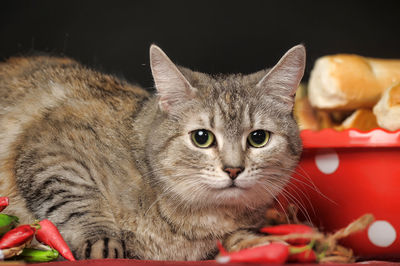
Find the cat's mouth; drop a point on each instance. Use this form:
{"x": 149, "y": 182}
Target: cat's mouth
{"x": 232, "y": 185}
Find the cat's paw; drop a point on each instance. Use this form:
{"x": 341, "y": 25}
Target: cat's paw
{"x": 102, "y": 248}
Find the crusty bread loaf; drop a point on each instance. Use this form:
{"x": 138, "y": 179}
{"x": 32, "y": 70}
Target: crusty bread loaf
{"x": 348, "y": 82}
{"x": 387, "y": 110}
{"x": 361, "y": 119}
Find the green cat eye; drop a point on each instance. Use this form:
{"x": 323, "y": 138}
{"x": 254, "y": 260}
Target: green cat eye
{"x": 258, "y": 138}
{"x": 202, "y": 138}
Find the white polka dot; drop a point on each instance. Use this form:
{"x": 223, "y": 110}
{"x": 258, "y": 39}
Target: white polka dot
{"x": 381, "y": 233}
{"x": 327, "y": 161}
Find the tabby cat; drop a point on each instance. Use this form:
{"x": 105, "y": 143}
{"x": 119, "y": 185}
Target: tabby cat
{"x": 126, "y": 174}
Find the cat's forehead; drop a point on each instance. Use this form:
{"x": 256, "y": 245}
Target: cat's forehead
{"x": 229, "y": 90}
{"x": 229, "y": 100}
{"x": 230, "y": 103}
{"x": 221, "y": 83}
{"x": 232, "y": 93}
{"x": 228, "y": 83}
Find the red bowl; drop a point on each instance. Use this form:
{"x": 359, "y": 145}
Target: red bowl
{"x": 343, "y": 175}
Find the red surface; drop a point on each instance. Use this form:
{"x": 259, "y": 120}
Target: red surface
{"x": 125, "y": 262}
{"x": 367, "y": 180}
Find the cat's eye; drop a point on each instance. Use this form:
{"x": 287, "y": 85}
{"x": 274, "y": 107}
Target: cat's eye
{"x": 258, "y": 138}
{"x": 203, "y": 138}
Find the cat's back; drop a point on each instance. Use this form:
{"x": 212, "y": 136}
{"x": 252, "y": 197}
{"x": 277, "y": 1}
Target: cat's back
{"x": 21, "y": 77}
{"x": 45, "y": 79}
{"x": 48, "y": 99}
{"x": 34, "y": 89}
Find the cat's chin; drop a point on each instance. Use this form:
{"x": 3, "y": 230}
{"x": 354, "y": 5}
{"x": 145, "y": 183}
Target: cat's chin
{"x": 239, "y": 196}
{"x": 231, "y": 187}
{"x": 233, "y": 193}
{"x": 234, "y": 190}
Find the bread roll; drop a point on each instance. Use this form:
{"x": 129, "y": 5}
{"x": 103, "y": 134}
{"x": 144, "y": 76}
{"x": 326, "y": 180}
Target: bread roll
{"x": 304, "y": 114}
{"x": 348, "y": 82}
{"x": 387, "y": 110}
{"x": 324, "y": 119}
{"x": 338, "y": 117}
{"x": 310, "y": 118}
{"x": 361, "y": 119}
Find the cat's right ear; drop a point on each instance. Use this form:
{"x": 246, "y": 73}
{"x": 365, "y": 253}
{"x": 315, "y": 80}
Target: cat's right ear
{"x": 284, "y": 78}
{"x": 172, "y": 86}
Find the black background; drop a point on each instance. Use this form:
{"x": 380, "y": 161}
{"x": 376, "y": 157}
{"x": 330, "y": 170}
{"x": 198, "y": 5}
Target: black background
{"x": 208, "y": 36}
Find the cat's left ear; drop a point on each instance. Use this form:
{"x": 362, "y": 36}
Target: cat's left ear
{"x": 172, "y": 86}
{"x": 284, "y": 78}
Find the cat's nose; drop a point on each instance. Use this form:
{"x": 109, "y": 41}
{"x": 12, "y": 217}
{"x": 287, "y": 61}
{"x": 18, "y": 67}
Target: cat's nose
{"x": 233, "y": 172}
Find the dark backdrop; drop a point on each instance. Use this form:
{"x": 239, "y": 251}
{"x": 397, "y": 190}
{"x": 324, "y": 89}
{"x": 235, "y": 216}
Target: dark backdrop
{"x": 209, "y": 36}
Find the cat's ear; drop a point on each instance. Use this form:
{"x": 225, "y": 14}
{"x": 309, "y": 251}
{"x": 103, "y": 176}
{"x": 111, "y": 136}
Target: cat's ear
{"x": 284, "y": 78}
{"x": 172, "y": 86}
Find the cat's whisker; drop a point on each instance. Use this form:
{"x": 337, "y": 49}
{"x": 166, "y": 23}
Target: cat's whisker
{"x": 275, "y": 177}
{"x": 299, "y": 204}
{"x": 293, "y": 199}
{"x": 265, "y": 187}
{"x": 166, "y": 190}
{"x": 182, "y": 205}
{"x": 311, "y": 185}
{"x": 296, "y": 190}
{"x": 306, "y": 178}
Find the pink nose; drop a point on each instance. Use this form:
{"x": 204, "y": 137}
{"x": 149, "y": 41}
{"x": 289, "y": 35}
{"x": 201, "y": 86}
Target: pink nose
{"x": 233, "y": 172}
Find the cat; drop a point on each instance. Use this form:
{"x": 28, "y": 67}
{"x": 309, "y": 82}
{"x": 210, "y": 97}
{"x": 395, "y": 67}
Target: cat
{"x": 126, "y": 174}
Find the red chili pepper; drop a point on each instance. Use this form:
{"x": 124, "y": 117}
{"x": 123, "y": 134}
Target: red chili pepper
{"x": 285, "y": 229}
{"x": 302, "y": 254}
{"x": 49, "y": 234}
{"x": 271, "y": 253}
{"x": 3, "y": 203}
{"x": 17, "y": 236}
{"x": 222, "y": 250}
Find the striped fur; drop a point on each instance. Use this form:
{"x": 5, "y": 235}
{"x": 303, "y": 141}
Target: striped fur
{"x": 116, "y": 171}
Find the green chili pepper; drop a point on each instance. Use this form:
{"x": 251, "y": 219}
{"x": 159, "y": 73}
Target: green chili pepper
{"x": 37, "y": 255}
{"x": 7, "y": 222}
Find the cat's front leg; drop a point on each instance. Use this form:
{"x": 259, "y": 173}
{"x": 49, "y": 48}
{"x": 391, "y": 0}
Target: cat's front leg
{"x": 63, "y": 188}
{"x": 92, "y": 234}
{"x": 242, "y": 239}
{"x": 93, "y": 238}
